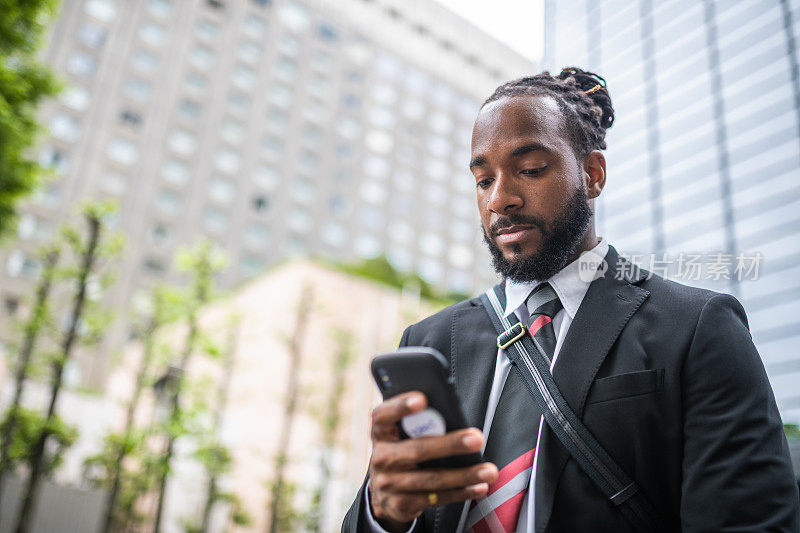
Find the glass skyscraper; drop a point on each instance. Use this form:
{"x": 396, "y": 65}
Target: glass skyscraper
{"x": 704, "y": 156}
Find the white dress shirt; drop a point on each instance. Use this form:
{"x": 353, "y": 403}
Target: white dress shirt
{"x": 570, "y": 287}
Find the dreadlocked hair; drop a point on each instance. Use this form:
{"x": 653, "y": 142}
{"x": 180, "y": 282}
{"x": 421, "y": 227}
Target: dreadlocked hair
{"x": 583, "y": 98}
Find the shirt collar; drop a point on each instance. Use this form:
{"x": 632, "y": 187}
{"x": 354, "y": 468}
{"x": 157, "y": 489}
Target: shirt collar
{"x": 569, "y": 285}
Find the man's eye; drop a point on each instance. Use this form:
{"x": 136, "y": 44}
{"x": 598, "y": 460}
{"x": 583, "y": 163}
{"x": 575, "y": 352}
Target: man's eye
{"x": 484, "y": 184}
{"x": 533, "y": 171}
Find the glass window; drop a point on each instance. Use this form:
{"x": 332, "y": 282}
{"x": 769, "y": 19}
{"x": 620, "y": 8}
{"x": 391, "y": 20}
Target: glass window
{"x": 387, "y": 65}
{"x": 238, "y": 103}
{"x": 322, "y": 61}
{"x": 50, "y": 157}
{"x": 339, "y": 205}
{"x": 384, "y": 94}
{"x": 215, "y": 220}
{"x": 250, "y": 265}
{"x": 413, "y": 109}
{"x": 416, "y": 81}
{"x": 265, "y": 176}
{"x": 348, "y": 128}
{"x": 254, "y": 27}
{"x": 136, "y": 89}
{"x": 144, "y": 61}
{"x": 160, "y": 234}
{"x": 92, "y": 35}
{"x": 130, "y": 118}
{"x": 359, "y": 53}
{"x": 255, "y": 236}
{"x": 440, "y": 123}
{"x": 431, "y": 270}
{"x": 294, "y": 16}
{"x": 206, "y": 30}
{"x": 285, "y": 69}
{"x": 221, "y": 190}
{"x": 281, "y": 95}
{"x": 437, "y": 169}
{"x": 367, "y": 246}
{"x": 439, "y": 146}
{"x": 159, "y": 8}
{"x": 400, "y": 258}
{"x": 195, "y": 83}
{"x": 319, "y": 86}
{"x": 460, "y": 256}
{"x": 65, "y": 127}
{"x": 376, "y": 166}
{"x": 153, "y": 266}
{"x": 373, "y": 192}
{"x": 175, "y": 172}
{"x": 260, "y": 204}
{"x": 379, "y": 141}
{"x": 81, "y": 64}
{"x": 248, "y": 52}
{"x": 182, "y": 142}
{"x": 122, "y": 151}
{"x": 232, "y": 132}
{"x": 201, "y": 57}
{"x": 334, "y": 234}
{"x": 463, "y": 231}
{"x": 304, "y": 191}
{"x": 75, "y": 97}
{"x": 152, "y": 34}
{"x": 168, "y": 202}
{"x": 311, "y": 134}
{"x": 189, "y": 110}
{"x": 327, "y": 32}
{"x": 227, "y": 161}
{"x": 444, "y": 96}
{"x": 431, "y": 244}
{"x": 277, "y": 120}
{"x": 103, "y": 10}
{"x": 300, "y": 221}
{"x": 382, "y": 117}
{"x": 272, "y": 148}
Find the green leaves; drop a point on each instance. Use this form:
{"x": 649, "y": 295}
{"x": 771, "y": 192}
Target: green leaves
{"x": 24, "y": 83}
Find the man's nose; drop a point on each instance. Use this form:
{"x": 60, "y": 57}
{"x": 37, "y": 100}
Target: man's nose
{"x": 505, "y": 196}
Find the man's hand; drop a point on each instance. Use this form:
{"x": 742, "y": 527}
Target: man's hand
{"x": 399, "y": 490}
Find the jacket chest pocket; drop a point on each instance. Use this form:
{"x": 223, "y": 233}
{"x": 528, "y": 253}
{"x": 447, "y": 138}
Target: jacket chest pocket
{"x": 626, "y": 385}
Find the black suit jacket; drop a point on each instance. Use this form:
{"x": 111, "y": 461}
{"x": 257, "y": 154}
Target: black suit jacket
{"x": 668, "y": 379}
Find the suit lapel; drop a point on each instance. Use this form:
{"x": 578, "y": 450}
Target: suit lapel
{"x": 608, "y": 305}
{"x": 473, "y": 353}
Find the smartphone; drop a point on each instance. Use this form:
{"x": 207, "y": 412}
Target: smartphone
{"x": 419, "y": 368}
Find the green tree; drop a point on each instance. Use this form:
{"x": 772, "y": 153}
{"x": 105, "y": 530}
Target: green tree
{"x": 202, "y": 263}
{"x": 85, "y": 325}
{"x": 24, "y": 83}
{"x": 39, "y": 316}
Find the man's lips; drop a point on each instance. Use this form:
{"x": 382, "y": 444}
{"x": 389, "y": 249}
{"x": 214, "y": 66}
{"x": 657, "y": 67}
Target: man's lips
{"x": 512, "y": 234}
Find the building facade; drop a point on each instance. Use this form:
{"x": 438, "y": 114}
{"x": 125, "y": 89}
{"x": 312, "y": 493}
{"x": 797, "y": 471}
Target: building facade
{"x": 704, "y": 155}
{"x": 275, "y": 128}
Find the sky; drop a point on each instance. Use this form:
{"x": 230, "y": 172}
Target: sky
{"x": 517, "y": 23}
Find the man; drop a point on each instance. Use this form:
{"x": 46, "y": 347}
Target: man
{"x": 665, "y": 376}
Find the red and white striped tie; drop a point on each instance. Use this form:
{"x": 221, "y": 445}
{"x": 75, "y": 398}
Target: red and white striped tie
{"x": 511, "y": 443}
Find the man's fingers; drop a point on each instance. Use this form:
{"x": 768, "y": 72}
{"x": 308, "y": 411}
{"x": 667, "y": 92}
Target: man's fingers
{"x": 386, "y": 415}
{"x": 435, "y": 479}
{"x": 410, "y": 452}
{"x": 406, "y": 507}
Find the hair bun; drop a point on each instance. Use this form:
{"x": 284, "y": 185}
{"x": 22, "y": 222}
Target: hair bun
{"x": 593, "y": 86}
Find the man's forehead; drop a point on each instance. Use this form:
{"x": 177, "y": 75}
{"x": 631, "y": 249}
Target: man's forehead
{"x": 518, "y": 116}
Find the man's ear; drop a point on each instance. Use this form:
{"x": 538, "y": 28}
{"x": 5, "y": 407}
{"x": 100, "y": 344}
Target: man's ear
{"x": 594, "y": 172}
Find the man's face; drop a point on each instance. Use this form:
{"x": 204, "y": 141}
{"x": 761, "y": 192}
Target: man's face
{"x": 531, "y": 190}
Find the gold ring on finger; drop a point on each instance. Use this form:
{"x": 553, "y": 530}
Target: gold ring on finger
{"x": 433, "y": 499}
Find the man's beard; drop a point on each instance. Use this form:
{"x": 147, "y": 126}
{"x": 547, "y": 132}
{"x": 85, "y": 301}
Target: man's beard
{"x": 558, "y": 242}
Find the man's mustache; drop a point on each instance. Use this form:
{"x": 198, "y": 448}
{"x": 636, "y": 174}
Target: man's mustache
{"x": 517, "y": 219}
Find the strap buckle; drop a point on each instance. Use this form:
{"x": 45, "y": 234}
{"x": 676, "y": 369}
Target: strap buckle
{"x": 510, "y": 336}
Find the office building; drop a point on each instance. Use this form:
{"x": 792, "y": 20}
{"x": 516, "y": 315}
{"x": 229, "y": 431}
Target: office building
{"x": 276, "y": 128}
{"x": 704, "y": 156}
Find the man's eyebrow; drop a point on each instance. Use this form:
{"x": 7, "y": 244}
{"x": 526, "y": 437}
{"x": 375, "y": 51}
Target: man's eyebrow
{"x": 532, "y": 147}
{"x": 477, "y": 162}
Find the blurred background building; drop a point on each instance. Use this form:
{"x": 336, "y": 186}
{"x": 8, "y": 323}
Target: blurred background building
{"x": 704, "y": 155}
{"x": 275, "y": 128}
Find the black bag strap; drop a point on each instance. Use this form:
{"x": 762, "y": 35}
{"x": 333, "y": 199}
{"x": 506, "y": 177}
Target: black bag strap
{"x": 534, "y": 369}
